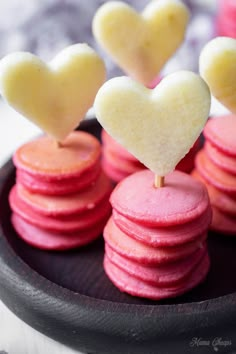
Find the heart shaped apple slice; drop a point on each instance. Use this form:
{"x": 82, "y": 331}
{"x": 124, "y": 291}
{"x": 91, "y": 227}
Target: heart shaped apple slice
{"x": 56, "y": 96}
{"x": 218, "y": 68}
{"x": 157, "y": 126}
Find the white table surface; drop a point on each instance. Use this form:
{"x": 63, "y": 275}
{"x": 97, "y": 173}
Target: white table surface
{"x": 16, "y": 337}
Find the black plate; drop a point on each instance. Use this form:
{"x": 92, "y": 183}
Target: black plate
{"x": 68, "y": 297}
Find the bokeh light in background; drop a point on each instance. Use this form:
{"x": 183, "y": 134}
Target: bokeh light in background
{"x": 45, "y": 27}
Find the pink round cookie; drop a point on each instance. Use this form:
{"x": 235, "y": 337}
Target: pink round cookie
{"x": 68, "y": 223}
{"x": 161, "y": 275}
{"x": 181, "y": 200}
{"x": 115, "y": 147}
{"x": 133, "y": 286}
{"x": 114, "y": 174}
{"x": 164, "y": 236}
{"x": 37, "y": 184}
{"x": 220, "y": 132}
{"x": 61, "y": 197}
{"x": 218, "y": 199}
{"x": 223, "y": 223}
{"x": 121, "y": 164}
{"x": 42, "y": 158}
{"x": 43, "y": 167}
{"x": 54, "y": 205}
{"x": 144, "y": 254}
{"x": 215, "y": 176}
{"x": 46, "y": 240}
{"x": 223, "y": 161}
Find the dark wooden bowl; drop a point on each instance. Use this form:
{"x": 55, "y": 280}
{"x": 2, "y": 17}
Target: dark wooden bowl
{"x": 68, "y": 297}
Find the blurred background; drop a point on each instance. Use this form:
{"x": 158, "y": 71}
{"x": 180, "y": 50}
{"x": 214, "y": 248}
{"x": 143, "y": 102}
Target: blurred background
{"x": 45, "y": 27}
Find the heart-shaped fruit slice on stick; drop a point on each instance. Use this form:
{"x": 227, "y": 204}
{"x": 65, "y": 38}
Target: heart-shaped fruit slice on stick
{"x": 157, "y": 126}
{"x": 56, "y": 96}
{"x": 142, "y": 43}
{"x": 218, "y": 68}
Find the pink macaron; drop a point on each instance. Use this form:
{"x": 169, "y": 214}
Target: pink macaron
{"x": 60, "y": 186}
{"x": 164, "y": 236}
{"x": 42, "y": 157}
{"x": 214, "y": 175}
{"x": 181, "y": 200}
{"x": 116, "y": 148}
{"x": 132, "y": 249}
{"x": 44, "y": 168}
{"x": 133, "y": 286}
{"x": 116, "y": 175}
{"x": 69, "y": 204}
{"x": 220, "y": 132}
{"x": 61, "y": 196}
{"x": 155, "y": 240}
{"x": 218, "y": 199}
{"x": 161, "y": 275}
{"x": 223, "y": 223}
{"x": 220, "y": 159}
{"x": 54, "y": 241}
{"x": 122, "y": 164}
{"x": 67, "y": 223}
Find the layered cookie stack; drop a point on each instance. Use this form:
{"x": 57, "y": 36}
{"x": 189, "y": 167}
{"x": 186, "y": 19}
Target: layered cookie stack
{"x": 216, "y": 163}
{"x": 216, "y": 167}
{"x": 156, "y": 238}
{"x": 155, "y": 241}
{"x": 117, "y": 162}
{"x": 60, "y": 199}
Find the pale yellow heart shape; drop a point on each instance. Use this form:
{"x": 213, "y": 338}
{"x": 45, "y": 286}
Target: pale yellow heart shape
{"x": 141, "y": 44}
{"x": 157, "y": 126}
{"x": 218, "y": 68}
{"x": 57, "y": 96}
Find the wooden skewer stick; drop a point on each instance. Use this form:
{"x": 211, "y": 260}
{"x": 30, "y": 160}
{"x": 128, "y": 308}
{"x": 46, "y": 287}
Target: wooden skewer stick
{"x": 159, "y": 181}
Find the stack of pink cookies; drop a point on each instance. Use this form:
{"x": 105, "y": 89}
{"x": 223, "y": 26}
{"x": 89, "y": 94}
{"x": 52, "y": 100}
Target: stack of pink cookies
{"x": 216, "y": 167}
{"x": 226, "y": 24}
{"x": 155, "y": 241}
{"x": 118, "y": 163}
{"x": 61, "y": 197}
